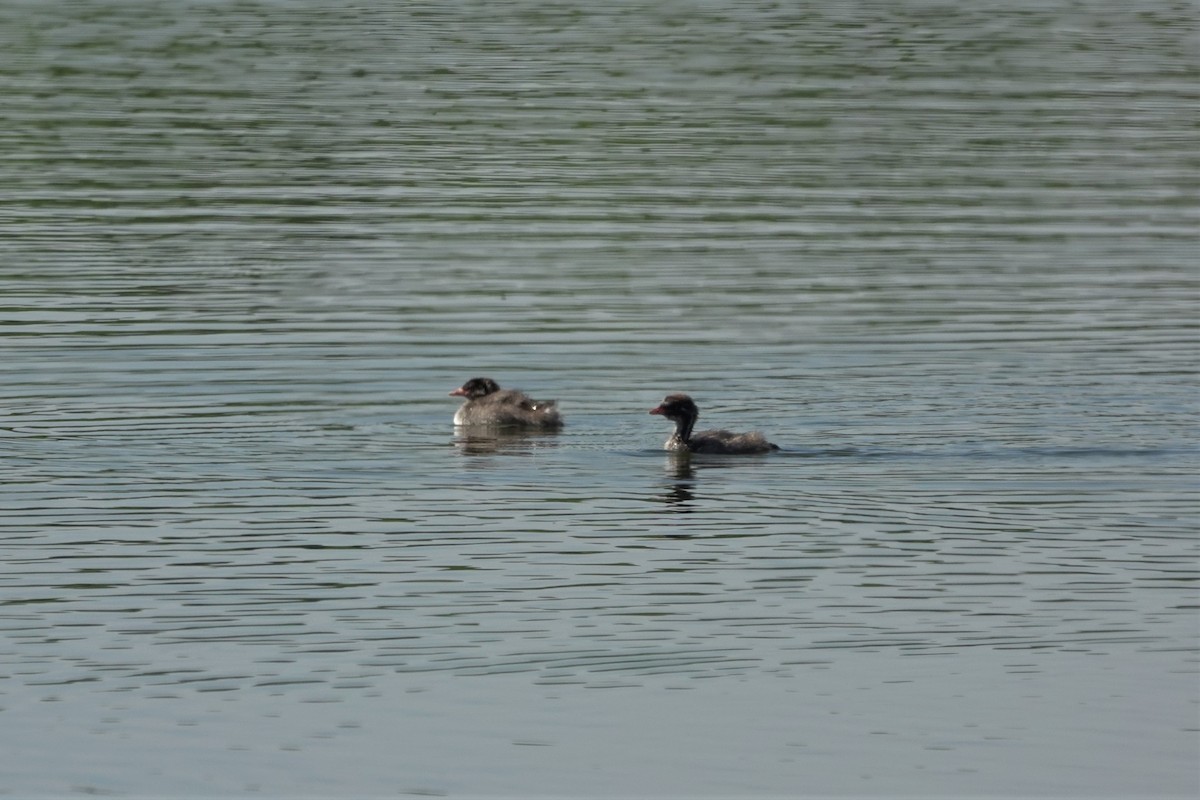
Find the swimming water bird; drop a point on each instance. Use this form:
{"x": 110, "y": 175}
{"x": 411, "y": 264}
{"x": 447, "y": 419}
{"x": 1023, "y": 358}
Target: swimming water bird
{"x": 682, "y": 410}
{"x": 487, "y": 404}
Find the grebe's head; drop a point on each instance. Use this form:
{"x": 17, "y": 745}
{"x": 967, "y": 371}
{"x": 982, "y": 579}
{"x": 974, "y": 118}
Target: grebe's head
{"x": 476, "y": 388}
{"x": 677, "y": 407}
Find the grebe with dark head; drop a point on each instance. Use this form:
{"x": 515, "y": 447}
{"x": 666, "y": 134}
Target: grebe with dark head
{"x": 487, "y": 404}
{"x": 680, "y": 409}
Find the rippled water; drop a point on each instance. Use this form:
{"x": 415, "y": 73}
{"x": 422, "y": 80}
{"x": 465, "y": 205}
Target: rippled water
{"x": 944, "y": 256}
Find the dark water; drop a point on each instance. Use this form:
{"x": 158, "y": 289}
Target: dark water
{"x": 943, "y": 255}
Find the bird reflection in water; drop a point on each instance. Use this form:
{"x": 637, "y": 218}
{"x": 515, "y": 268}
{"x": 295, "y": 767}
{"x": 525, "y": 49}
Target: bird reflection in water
{"x": 679, "y": 497}
{"x": 490, "y": 441}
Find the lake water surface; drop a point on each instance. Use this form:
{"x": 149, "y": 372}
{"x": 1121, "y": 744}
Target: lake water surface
{"x": 943, "y": 254}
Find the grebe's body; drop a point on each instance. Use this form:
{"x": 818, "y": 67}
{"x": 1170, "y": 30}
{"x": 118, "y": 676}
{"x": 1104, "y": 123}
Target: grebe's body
{"x": 487, "y": 404}
{"x": 680, "y": 409}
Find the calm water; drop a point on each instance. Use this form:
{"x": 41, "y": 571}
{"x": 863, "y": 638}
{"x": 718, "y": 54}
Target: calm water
{"x": 943, "y": 255}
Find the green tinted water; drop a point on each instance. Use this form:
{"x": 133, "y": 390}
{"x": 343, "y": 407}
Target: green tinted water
{"x": 943, "y": 255}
